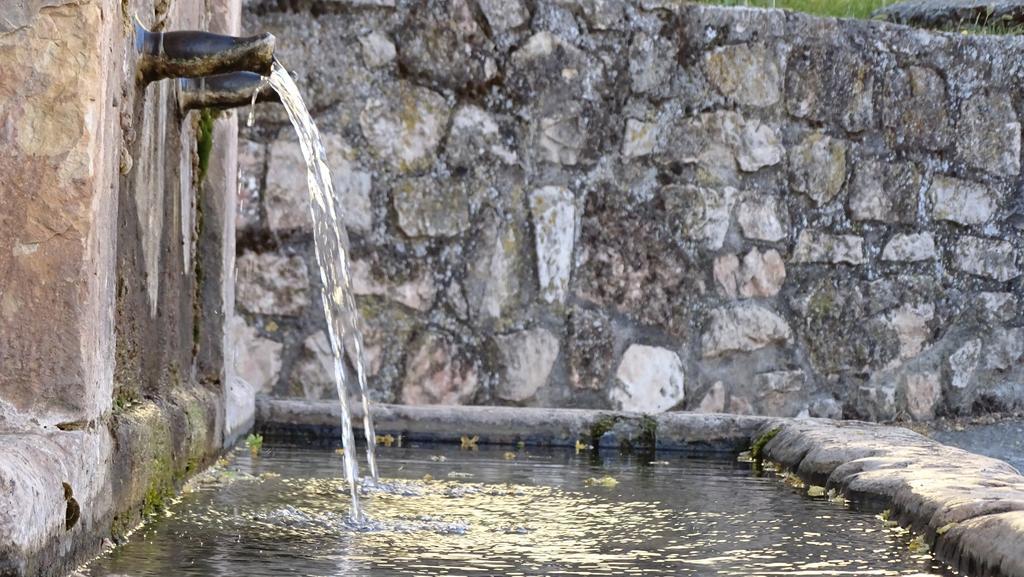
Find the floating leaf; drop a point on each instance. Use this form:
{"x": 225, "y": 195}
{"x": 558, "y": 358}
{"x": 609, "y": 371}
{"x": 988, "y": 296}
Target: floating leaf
{"x": 339, "y": 451}
{"x": 459, "y": 475}
{"x": 918, "y": 545}
{"x": 520, "y": 445}
{"x": 944, "y": 529}
{"x": 815, "y": 491}
{"x": 509, "y": 455}
{"x": 428, "y": 477}
{"x": 469, "y": 442}
{"x": 606, "y": 481}
{"x": 438, "y": 458}
{"x": 658, "y": 463}
{"x": 581, "y": 446}
{"x": 386, "y": 440}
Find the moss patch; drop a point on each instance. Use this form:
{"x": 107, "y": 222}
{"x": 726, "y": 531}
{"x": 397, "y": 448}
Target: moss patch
{"x": 757, "y": 449}
{"x": 204, "y": 139}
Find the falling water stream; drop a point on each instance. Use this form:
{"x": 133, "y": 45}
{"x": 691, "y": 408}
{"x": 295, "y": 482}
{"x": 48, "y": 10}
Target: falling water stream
{"x": 331, "y": 241}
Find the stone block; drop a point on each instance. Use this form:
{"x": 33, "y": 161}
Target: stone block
{"x": 817, "y": 167}
{"x": 650, "y": 380}
{"x": 272, "y": 284}
{"x": 962, "y": 201}
{"x": 914, "y": 247}
{"x": 884, "y": 191}
{"x": 438, "y": 372}
{"x": 742, "y": 327}
{"x": 988, "y": 134}
{"x": 405, "y": 125}
{"x": 429, "y": 208}
{"x": 554, "y": 224}
{"x": 746, "y": 73}
{"x": 525, "y": 359}
{"x": 815, "y": 246}
{"x": 763, "y": 218}
{"x": 994, "y": 259}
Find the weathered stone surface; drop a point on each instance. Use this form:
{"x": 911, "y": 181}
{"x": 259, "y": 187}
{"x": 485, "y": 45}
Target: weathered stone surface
{"x": 747, "y": 73}
{"x": 272, "y": 284}
{"x": 257, "y": 359}
{"x": 817, "y": 246}
{"x": 475, "y": 136}
{"x": 779, "y": 393}
{"x": 492, "y": 279}
{"x": 313, "y": 373}
{"x": 1000, "y": 306}
{"x": 720, "y": 143}
{"x": 714, "y": 400}
{"x": 763, "y": 218}
{"x": 561, "y": 137}
{"x": 651, "y": 61}
{"x": 886, "y": 192}
{"x": 503, "y": 15}
{"x": 650, "y": 380}
{"x": 639, "y": 139}
{"x": 994, "y": 259}
{"x": 252, "y": 159}
{"x": 417, "y": 293}
{"x": 817, "y": 167}
{"x": 525, "y": 359}
{"x": 910, "y": 321}
{"x": 914, "y": 247}
{"x": 916, "y": 109}
{"x": 705, "y": 213}
{"x": 760, "y": 147}
{"x": 287, "y": 193}
{"x": 1004, "y": 349}
{"x": 826, "y": 81}
{"x": 923, "y": 393}
{"x": 742, "y": 327}
{"x": 405, "y": 126}
{"x": 438, "y": 373}
{"x": 951, "y": 13}
{"x": 554, "y": 223}
{"x": 962, "y": 201}
{"x": 757, "y": 275}
{"x": 378, "y": 50}
{"x": 988, "y": 134}
{"x": 590, "y": 348}
{"x": 425, "y": 209}
{"x": 446, "y": 47}
{"x": 963, "y": 362}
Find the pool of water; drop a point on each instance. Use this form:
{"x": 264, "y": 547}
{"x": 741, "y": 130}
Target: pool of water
{"x": 495, "y": 511}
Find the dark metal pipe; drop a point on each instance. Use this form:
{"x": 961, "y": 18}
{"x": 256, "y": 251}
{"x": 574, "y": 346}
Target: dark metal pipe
{"x": 191, "y": 54}
{"x": 224, "y": 91}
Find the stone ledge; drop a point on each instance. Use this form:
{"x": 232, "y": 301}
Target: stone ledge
{"x": 969, "y": 508}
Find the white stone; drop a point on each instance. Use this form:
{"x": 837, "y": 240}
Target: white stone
{"x": 1004, "y": 348}
{"x": 351, "y": 186}
{"x": 914, "y": 247}
{"x": 742, "y": 327}
{"x": 503, "y": 15}
{"x": 650, "y": 380}
{"x": 714, "y": 399}
{"x": 257, "y": 359}
{"x": 963, "y": 362}
{"x": 760, "y": 219}
{"x": 726, "y": 271}
{"x": 962, "y": 201}
{"x": 778, "y": 393}
{"x": 884, "y": 191}
{"x": 491, "y": 279}
{"x": 995, "y": 259}
{"x": 923, "y": 392}
{"x": 747, "y": 73}
{"x": 554, "y": 219}
{"x": 1001, "y": 306}
{"x": 758, "y": 275}
{"x": 405, "y": 126}
{"x": 561, "y": 139}
{"x": 378, "y": 50}
{"x": 417, "y": 293}
{"x": 815, "y": 246}
{"x": 759, "y": 147}
{"x": 526, "y": 359}
{"x": 272, "y": 284}
{"x": 639, "y": 139}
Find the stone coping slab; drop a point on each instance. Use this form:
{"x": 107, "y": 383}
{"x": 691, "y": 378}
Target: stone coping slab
{"x": 968, "y": 508}
{"x": 949, "y": 13}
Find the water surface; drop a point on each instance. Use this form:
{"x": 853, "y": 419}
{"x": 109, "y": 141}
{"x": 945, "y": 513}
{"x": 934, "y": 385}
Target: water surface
{"x": 492, "y": 511}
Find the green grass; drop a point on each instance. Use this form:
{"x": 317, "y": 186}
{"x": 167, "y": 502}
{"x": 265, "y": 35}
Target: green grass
{"x": 838, "y": 8}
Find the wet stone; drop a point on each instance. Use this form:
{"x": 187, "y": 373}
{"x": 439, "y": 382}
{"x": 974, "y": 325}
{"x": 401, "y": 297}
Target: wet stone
{"x": 817, "y": 167}
{"x": 650, "y": 380}
{"x": 994, "y": 259}
{"x": 525, "y": 360}
{"x": 272, "y": 284}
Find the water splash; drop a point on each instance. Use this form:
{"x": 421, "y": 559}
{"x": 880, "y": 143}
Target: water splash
{"x": 331, "y": 243}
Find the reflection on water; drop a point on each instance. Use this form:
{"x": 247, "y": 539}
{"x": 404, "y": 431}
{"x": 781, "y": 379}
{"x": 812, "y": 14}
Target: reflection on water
{"x": 485, "y": 513}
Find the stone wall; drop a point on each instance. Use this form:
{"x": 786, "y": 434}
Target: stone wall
{"x": 644, "y": 205}
{"x": 116, "y": 259}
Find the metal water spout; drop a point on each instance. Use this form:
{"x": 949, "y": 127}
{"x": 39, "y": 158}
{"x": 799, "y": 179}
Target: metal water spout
{"x": 191, "y": 54}
{"x": 224, "y": 91}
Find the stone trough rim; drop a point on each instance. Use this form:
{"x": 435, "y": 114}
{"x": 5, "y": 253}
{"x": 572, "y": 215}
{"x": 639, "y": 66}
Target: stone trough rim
{"x": 968, "y": 508}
